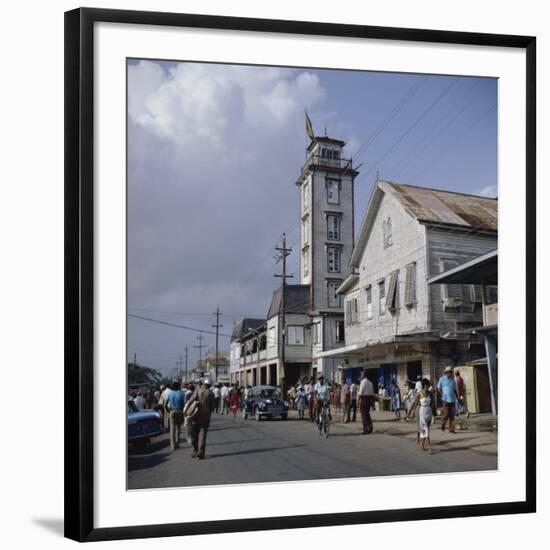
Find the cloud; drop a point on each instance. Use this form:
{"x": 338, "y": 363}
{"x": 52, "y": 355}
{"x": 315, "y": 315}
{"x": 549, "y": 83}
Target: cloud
{"x": 487, "y": 191}
{"x": 213, "y": 152}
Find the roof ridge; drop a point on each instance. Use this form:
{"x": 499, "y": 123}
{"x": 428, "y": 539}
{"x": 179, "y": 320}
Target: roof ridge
{"x": 438, "y": 190}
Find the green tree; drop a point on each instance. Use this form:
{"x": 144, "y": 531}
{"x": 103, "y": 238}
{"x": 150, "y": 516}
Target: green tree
{"x": 138, "y": 374}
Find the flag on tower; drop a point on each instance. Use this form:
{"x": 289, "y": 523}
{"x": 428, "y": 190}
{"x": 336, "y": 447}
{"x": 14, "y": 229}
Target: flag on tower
{"x": 309, "y": 128}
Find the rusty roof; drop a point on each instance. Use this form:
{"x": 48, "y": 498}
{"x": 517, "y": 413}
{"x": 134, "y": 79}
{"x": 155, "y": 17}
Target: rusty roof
{"x": 447, "y": 207}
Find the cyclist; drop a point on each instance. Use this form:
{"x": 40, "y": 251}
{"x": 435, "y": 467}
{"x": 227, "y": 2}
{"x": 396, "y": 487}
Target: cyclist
{"x": 321, "y": 392}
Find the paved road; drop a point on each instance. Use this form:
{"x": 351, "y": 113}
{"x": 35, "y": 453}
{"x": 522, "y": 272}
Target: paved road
{"x": 246, "y": 451}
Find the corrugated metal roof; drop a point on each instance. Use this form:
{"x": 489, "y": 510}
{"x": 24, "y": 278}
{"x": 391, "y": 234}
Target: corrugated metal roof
{"x": 296, "y": 300}
{"x": 446, "y": 207}
{"x": 244, "y": 326}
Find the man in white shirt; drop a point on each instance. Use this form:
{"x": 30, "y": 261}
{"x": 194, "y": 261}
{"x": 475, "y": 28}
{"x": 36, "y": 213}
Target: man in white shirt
{"x": 224, "y": 396}
{"x": 163, "y": 401}
{"x": 365, "y": 396}
{"x": 217, "y": 393}
{"x": 139, "y": 401}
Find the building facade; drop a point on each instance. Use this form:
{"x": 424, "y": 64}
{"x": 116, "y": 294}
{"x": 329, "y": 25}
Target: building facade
{"x": 327, "y": 235}
{"x": 396, "y": 325}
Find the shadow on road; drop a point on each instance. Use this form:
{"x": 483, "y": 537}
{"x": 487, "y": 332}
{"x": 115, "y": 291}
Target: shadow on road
{"x": 146, "y": 461}
{"x": 253, "y": 451}
{"x": 151, "y": 448}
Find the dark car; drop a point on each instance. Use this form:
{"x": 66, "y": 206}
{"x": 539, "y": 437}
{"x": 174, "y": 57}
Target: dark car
{"x": 264, "y": 402}
{"x": 142, "y": 425}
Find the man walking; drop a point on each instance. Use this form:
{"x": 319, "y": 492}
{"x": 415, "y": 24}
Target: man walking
{"x": 366, "y": 396}
{"x": 345, "y": 400}
{"x": 446, "y": 388}
{"x": 176, "y": 400}
{"x": 353, "y": 389}
{"x": 201, "y": 420}
{"x": 224, "y": 396}
{"x": 461, "y": 404}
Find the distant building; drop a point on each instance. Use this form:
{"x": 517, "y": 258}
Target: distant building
{"x": 218, "y": 370}
{"x": 396, "y": 325}
{"x": 245, "y": 356}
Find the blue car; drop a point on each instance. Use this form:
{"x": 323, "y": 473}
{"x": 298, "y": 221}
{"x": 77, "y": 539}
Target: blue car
{"x": 142, "y": 425}
{"x": 265, "y": 402}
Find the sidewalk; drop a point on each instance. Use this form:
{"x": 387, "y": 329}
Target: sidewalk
{"x": 477, "y": 433}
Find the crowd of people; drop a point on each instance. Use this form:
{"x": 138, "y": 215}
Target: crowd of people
{"x": 189, "y": 407}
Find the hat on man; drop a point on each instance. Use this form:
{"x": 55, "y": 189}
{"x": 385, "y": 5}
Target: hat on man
{"x": 448, "y": 369}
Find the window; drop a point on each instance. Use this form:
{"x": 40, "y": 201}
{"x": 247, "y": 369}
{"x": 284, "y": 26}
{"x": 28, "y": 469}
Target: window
{"x": 295, "y": 335}
{"x": 369, "y": 301}
{"x": 305, "y": 261}
{"x": 475, "y": 294}
{"x": 340, "y": 331}
{"x": 333, "y": 259}
{"x": 271, "y": 337}
{"x": 352, "y": 311}
{"x": 382, "y": 297}
{"x": 305, "y": 194}
{"x": 315, "y": 332}
{"x": 333, "y": 298}
{"x": 387, "y": 232}
{"x": 254, "y": 345}
{"x": 333, "y": 191}
{"x": 451, "y": 294}
{"x": 333, "y": 227}
{"x": 263, "y": 342}
{"x": 391, "y": 297}
{"x": 305, "y": 230}
{"x": 410, "y": 285}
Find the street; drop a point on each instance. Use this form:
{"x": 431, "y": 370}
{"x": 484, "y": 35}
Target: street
{"x": 246, "y": 451}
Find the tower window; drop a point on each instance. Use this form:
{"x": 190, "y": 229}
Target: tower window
{"x": 333, "y": 259}
{"x": 334, "y": 300}
{"x": 305, "y": 194}
{"x": 333, "y": 227}
{"x": 305, "y": 262}
{"x": 369, "y": 301}
{"x": 382, "y": 297}
{"x": 305, "y": 231}
{"x": 333, "y": 192}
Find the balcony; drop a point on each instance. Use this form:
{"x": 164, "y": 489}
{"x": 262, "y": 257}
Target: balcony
{"x": 327, "y": 162}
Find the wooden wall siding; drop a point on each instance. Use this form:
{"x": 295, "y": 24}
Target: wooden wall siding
{"x": 408, "y": 237}
{"x": 292, "y": 353}
{"x": 461, "y": 247}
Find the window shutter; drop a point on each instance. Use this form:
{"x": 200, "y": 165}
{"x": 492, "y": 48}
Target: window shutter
{"x": 410, "y": 285}
{"x": 391, "y": 299}
{"x": 452, "y": 294}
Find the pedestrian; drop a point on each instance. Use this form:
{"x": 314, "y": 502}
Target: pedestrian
{"x": 395, "y": 394}
{"x": 216, "y": 392}
{"x": 234, "y": 400}
{"x": 423, "y": 402}
{"x": 301, "y": 401}
{"x": 187, "y": 420}
{"x": 163, "y": 401}
{"x": 176, "y": 401}
{"x": 337, "y": 401}
{"x": 292, "y": 396}
{"x": 366, "y": 397}
{"x": 310, "y": 401}
{"x": 140, "y": 401}
{"x": 321, "y": 393}
{"x": 353, "y": 389}
{"x": 345, "y": 400}
{"x": 446, "y": 388}
{"x": 461, "y": 407}
{"x": 224, "y": 394}
{"x": 201, "y": 420}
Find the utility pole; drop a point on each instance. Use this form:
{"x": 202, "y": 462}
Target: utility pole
{"x": 179, "y": 363}
{"x": 281, "y": 256}
{"x": 200, "y": 338}
{"x": 186, "y": 371}
{"x": 217, "y": 326}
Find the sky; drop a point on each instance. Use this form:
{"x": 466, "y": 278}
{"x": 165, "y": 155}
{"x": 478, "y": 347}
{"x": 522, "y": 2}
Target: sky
{"x": 213, "y": 154}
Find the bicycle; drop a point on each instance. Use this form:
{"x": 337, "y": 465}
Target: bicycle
{"x": 323, "y": 420}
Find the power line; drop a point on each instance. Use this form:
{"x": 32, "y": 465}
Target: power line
{"x": 176, "y": 325}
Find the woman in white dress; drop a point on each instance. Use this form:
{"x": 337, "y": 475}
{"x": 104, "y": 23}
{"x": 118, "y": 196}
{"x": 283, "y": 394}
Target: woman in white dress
{"x": 423, "y": 401}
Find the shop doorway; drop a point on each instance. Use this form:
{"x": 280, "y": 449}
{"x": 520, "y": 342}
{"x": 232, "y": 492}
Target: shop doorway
{"x": 414, "y": 369}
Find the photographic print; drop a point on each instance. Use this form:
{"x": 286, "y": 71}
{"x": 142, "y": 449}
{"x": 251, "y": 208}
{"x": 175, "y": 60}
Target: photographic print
{"x": 312, "y": 281}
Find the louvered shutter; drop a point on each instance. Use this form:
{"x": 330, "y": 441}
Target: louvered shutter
{"x": 410, "y": 285}
{"x": 391, "y": 299}
{"x": 452, "y": 294}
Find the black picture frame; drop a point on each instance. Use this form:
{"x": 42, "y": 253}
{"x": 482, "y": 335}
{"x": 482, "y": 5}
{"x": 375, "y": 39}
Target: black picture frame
{"x": 79, "y": 271}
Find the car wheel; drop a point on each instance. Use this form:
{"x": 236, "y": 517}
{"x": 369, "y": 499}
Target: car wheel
{"x": 284, "y": 416}
{"x": 257, "y": 414}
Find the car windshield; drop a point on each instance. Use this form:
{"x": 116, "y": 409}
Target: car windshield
{"x": 132, "y": 408}
{"x": 270, "y": 392}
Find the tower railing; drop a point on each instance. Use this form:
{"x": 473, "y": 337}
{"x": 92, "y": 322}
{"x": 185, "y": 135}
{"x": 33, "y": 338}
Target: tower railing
{"x": 329, "y": 162}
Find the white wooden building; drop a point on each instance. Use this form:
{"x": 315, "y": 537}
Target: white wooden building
{"x": 397, "y": 326}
